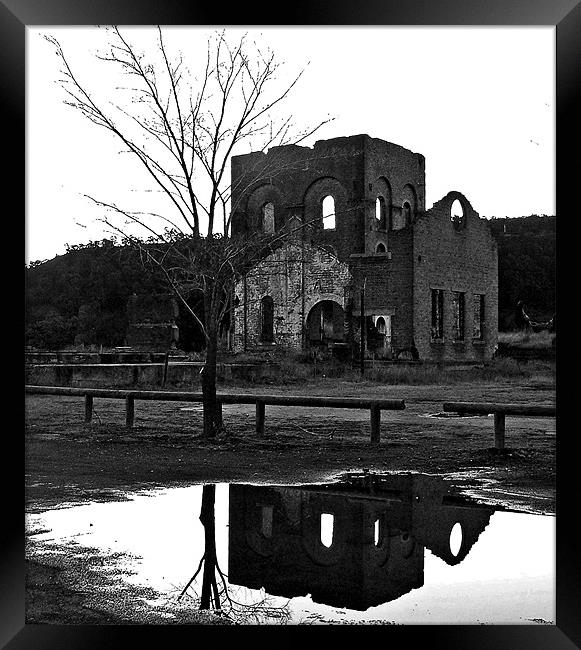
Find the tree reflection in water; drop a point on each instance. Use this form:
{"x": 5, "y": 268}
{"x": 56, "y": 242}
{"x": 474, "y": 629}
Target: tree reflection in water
{"x": 214, "y": 592}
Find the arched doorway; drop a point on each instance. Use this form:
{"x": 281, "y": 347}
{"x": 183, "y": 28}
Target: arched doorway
{"x": 380, "y": 324}
{"x": 325, "y": 324}
{"x": 379, "y": 335}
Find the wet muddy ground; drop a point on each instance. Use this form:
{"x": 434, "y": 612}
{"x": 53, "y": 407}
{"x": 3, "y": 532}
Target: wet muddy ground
{"x": 68, "y": 461}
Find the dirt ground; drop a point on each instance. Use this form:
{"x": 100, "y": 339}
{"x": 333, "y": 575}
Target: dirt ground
{"x": 70, "y": 461}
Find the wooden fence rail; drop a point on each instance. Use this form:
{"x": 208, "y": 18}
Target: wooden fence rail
{"x": 500, "y": 411}
{"x": 375, "y": 406}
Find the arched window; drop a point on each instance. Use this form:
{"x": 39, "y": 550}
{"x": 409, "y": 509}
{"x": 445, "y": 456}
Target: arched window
{"x": 268, "y": 218}
{"x": 456, "y": 539}
{"x": 328, "y": 207}
{"x": 380, "y": 248}
{"x": 381, "y": 213}
{"x": 327, "y": 524}
{"x": 294, "y": 224}
{"x": 407, "y": 213}
{"x": 267, "y": 319}
{"x": 266, "y": 522}
{"x": 457, "y": 215}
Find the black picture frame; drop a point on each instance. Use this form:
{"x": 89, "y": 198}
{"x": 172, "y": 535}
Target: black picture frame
{"x": 565, "y": 15}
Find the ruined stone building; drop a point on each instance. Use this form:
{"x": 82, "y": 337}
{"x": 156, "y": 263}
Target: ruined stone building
{"x": 361, "y": 247}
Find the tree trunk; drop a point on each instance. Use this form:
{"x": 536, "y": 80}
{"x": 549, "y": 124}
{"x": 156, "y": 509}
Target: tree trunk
{"x": 207, "y": 517}
{"x": 212, "y": 410}
{"x": 212, "y": 415}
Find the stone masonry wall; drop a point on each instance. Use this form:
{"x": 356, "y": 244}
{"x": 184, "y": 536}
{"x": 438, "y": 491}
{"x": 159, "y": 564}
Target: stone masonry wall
{"x": 296, "y": 277}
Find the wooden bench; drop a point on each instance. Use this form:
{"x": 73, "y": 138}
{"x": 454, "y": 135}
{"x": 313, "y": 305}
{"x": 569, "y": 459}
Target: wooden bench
{"x": 500, "y": 412}
{"x": 375, "y": 406}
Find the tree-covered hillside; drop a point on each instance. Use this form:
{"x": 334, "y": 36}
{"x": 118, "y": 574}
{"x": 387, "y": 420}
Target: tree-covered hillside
{"x": 80, "y": 297}
{"x": 526, "y": 266}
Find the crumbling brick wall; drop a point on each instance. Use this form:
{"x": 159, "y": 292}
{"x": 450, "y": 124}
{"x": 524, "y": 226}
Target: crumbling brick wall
{"x": 354, "y": 170}
{"x": 398, "y": 176}
{"x": 453, "y": 258}
{"x": 388, "y": 281}
{"x": 295, "y": 179}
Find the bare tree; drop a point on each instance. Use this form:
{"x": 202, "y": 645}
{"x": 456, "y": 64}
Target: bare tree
{"x": 182, "y": 132}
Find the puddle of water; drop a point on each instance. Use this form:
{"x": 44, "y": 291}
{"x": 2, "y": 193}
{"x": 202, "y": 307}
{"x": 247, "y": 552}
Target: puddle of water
{"x": 449, "y": 415}
{"x": 225, "y": 407}
{"x": 401, "y": 548}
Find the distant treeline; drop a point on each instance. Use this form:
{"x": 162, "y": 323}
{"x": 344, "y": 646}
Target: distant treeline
{"x": 81, "y": 297}
{"x": 526, "y": 267}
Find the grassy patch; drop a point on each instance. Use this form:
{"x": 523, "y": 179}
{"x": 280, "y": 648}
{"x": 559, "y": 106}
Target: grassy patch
{"x": 524, "y": 339}
{"x": 297, "y": 370}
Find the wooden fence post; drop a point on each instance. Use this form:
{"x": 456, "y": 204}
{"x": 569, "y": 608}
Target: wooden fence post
{"x": 260, "y": 415}
{"x": 499, "y": 429}
{"x": 375, "y": 413}
{"x": 165, "y": 364}
{"x": 88, "y": 408}
{"x": 129, "y": 410}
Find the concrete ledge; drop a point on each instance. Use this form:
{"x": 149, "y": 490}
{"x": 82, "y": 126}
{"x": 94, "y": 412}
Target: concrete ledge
{"x": 134, "y": 375}
{"x": 72, "y": 356}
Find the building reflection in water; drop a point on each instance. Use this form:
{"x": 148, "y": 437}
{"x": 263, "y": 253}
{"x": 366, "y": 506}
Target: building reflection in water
{"x": 354, "y": 544}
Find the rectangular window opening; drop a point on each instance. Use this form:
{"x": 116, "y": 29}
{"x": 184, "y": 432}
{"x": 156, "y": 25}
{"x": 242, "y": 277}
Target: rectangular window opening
{"x": 478, "y": 320}
{"x": 459, "y": 318}
{"x": 437, "y": 330}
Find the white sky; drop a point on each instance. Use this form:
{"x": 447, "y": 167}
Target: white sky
{"x": 477, "y": 102}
